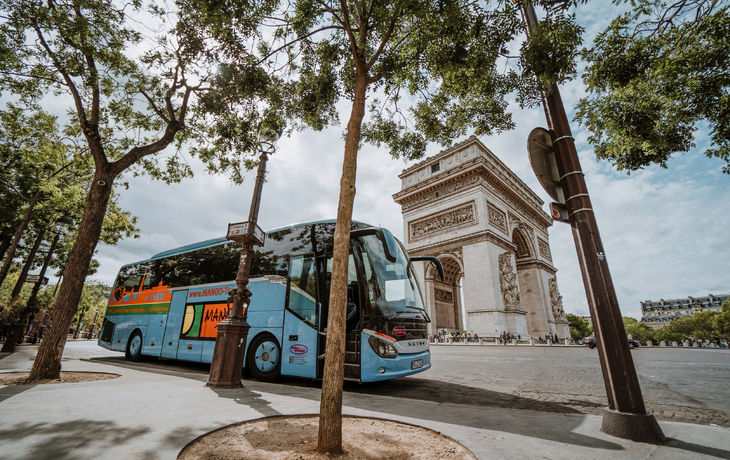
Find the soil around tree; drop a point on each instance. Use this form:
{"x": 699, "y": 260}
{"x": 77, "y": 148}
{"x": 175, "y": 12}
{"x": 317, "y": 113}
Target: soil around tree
{"x": 21, "y": 378}
{"x": 294, "y": 437}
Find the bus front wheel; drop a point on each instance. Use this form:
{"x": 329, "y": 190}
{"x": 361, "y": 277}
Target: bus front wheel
{"x": 134, "y": 347}
{"x": 264, "y": 358}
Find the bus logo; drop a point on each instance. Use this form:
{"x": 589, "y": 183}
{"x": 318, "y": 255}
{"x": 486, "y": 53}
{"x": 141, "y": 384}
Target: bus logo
{"x": 298, "y": 349}
{"x": 400, "y": 331}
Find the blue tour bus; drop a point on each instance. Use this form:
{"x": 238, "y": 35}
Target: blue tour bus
{"x": 169, "y": 305}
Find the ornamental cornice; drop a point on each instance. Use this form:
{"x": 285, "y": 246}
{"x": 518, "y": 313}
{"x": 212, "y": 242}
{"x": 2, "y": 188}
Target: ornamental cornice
{"x": 436, "y": 249}
{"x": 538, "y": 264}
{"x": 478, "y": 172}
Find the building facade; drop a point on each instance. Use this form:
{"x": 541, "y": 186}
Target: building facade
{"x": 658, "y": 314}
{"x": 489, "y": 230}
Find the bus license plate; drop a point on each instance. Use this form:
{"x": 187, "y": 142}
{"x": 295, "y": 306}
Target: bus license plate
{"x": 417, "y": 364}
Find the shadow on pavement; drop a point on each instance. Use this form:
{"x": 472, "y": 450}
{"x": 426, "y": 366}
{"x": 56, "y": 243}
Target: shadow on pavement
{"x": 451, "y": 401}
{"x": 248, "y": 398}
{"x": 696, "y": 448}
{"x": 13, "y": 390}
{"x": 64, "y": 440}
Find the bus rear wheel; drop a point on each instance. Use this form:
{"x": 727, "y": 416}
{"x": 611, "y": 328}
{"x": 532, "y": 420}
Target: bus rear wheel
{"x": 134, "y": 347}
{"x": 264, "y": 358}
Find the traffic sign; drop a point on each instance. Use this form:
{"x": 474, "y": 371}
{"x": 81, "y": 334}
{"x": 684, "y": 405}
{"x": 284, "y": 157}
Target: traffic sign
{"x": 35, "y": 279}
{"x": 246, "y": 231}
{"x": 559, "y": 212}
{"x": 542, "y": 159}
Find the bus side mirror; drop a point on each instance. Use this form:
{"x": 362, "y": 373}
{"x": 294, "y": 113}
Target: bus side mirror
{"x": 434, "y": 260}
{"x": 386, "y": 238}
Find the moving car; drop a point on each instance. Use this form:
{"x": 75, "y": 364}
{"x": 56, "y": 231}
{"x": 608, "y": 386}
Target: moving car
{"x": 590, "y": 342}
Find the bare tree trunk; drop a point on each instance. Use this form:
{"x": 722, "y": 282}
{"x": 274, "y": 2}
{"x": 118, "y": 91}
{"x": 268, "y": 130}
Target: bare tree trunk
{"x": 16, "y": 239}
{"x": 47, "y": 364}
{"x": 330, "y": 409}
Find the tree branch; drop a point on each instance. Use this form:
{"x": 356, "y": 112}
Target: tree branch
{"x": 80, "y": 112}
{"x": 386, "y": 37}
{"x": 298, "y": 39}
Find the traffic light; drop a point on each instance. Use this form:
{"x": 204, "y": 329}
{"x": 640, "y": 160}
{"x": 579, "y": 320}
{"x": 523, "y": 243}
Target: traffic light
{"x": 559, "y": 213}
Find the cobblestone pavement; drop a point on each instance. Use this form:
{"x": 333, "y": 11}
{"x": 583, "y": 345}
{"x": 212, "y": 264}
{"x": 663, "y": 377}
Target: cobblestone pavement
{"x": 678, "y": 385}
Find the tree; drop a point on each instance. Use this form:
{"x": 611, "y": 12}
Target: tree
{"x": 94, "y": 298}
{"x": 579, "y": 327}
{"x": 655, "y": 74}
{"x": 638, "y": 330}
{"x": 722, "y": 321}
{"x": 677, "y": 331}
{"x": 127, "y": 108}
{"x": 427, "y": 61}
{"x": 43, "y": 176}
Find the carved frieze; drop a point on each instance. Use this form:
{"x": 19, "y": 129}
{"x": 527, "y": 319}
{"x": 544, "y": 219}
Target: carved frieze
{"x": 443, "y": 296}
{"x": 523, "y": 210}
{"x": 497, "y": 218}
{"x": 441, "y": 192}
{"x": 544, "y": 249}
{"x": 556, "y": 300}
{"x": 460, "y": 216}
{"x": 508, "y": 282}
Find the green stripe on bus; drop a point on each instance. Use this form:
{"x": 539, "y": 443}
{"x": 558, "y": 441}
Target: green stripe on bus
{"x": 139, "y": 309}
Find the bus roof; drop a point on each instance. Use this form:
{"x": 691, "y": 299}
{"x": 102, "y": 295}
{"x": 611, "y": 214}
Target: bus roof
{"x": 218, "y": 241}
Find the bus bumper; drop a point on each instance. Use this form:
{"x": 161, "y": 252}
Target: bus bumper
{"x": 373, "y": 368}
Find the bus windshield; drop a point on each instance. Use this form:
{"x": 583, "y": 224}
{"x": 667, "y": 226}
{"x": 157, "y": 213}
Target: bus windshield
{"x": 392, "y": 287}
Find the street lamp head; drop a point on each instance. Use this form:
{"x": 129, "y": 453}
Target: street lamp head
{"x": 62, "y": 225}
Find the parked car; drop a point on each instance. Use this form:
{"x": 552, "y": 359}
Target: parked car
{"x": 590, "y": 342}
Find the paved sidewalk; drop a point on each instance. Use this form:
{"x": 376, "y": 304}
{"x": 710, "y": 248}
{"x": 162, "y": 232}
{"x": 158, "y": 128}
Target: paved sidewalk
{"x": 152, "y": 411}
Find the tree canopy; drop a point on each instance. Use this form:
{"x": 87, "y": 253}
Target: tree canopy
{"x": 44, "y": 175}
{"x": 655, "y": 75}
{"x": 130, "y": 75}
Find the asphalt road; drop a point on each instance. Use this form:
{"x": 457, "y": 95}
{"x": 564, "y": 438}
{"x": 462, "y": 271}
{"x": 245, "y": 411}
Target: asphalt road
{"x": 684, "y": 385}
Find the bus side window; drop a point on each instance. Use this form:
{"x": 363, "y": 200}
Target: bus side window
{"x": 302, "y": 288}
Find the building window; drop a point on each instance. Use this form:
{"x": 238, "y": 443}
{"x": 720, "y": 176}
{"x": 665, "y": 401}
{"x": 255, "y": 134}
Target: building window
{"x": 435, "y": 168}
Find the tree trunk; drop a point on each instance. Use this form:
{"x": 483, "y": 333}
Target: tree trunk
{"x": 47, "y": 364}
{"x": 16, "y": 239}
{"x": 330, "y": 409}
{"x": 4, "y": 245}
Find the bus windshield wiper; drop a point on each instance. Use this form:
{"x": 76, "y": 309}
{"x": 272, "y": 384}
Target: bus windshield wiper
{"x": 425, "y": 313}
{"x": 394, "y": 315}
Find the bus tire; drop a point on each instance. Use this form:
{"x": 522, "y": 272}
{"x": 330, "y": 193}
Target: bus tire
{"x": 264, "y": 358}
{"x": 134, "y": 347}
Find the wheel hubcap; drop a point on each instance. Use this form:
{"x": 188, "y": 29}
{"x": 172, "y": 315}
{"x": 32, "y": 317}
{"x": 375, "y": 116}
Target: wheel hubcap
{"x": 135, "y": 345}
{"x": 267, "y": 356}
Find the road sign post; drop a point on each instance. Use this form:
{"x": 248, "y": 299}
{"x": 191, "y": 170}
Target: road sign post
{"x": 626, "y": 415}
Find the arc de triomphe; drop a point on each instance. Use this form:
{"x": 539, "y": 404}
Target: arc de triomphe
{"x": 488, "y": 228}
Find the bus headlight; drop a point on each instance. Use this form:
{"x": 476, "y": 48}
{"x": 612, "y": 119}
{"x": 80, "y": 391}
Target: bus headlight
{"x": 382, "y": 348}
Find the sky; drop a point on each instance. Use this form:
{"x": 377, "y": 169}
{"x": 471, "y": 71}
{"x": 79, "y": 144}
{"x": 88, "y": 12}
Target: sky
{"x": 665, "y": 231}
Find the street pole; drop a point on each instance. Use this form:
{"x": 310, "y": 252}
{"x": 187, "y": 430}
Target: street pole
{"x": 626, "y": 415}
{"x": 17, "y": 329}
{"x": 227, "y": 363}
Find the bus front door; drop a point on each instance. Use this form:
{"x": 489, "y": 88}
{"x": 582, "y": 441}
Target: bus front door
{"x": 299, "y": 340}
{"x": 174, "y": 324}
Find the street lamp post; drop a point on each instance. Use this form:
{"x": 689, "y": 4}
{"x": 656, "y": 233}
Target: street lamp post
{"x": 626, "y": 415}
{"x": 230, "y": 344}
